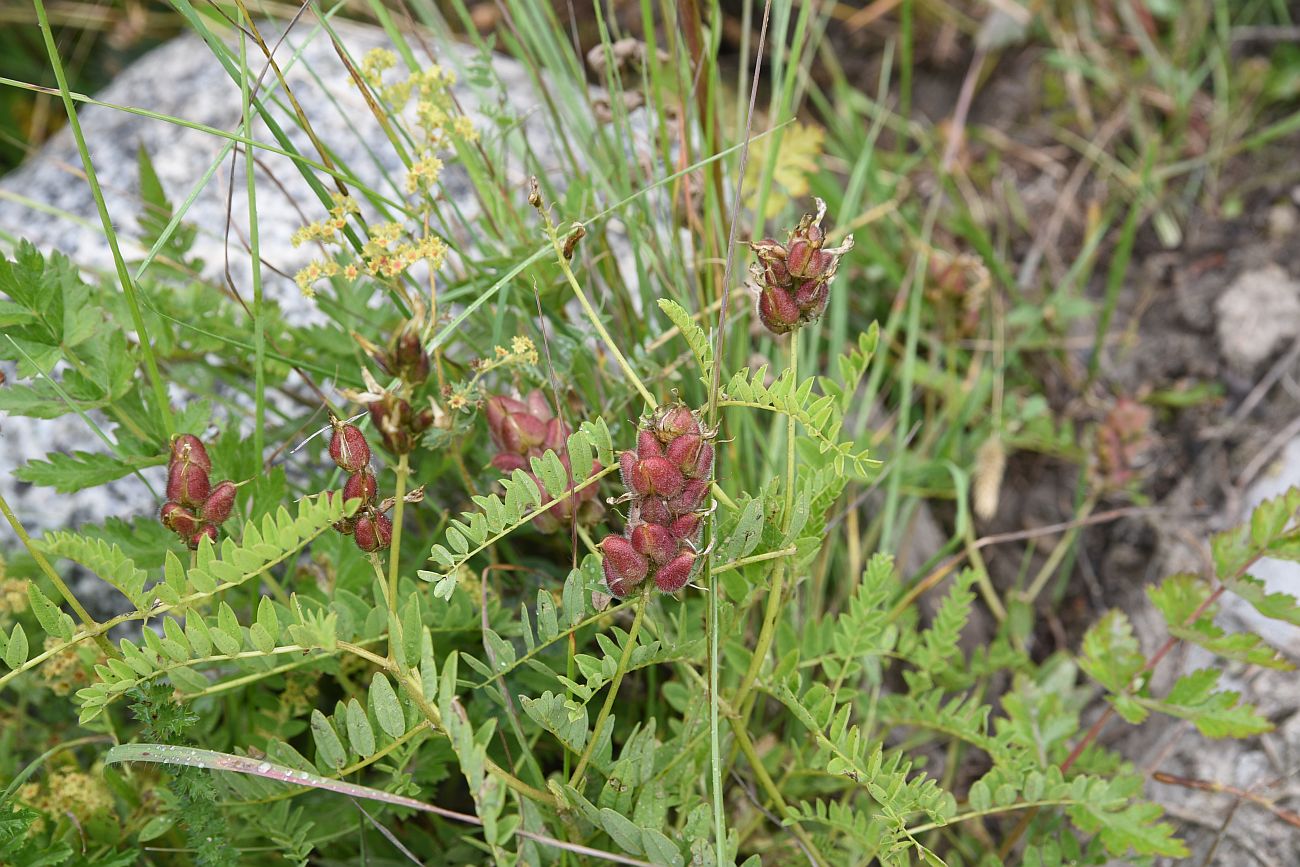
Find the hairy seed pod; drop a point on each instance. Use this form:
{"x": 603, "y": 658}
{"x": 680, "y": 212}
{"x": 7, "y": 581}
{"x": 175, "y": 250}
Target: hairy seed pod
{"x": 684, "y": 452}
{"x": 656, "y": 477}
{"x": 507, "y": 463}
{"x": 673, "y": 421}
{"x": 179, "y": 520}
{"x": 673, "y": 576}
{"x": 627, "y": 462}
{"x": 624, "y": 567}
{"x": 686, "y": 528}
{"x": 691, "y": 499}
{"x": 360, "y": 486}
{"x": 655, "y": 541}
{"x": 778, "y": 310}
{"x": 648, "y": 445}
{"x": 189, "y": 448}
{"x": 219, "y": 504}
{"x": 188, "y": 484}
{"x": 348, "y": 447}
{"x": 206, "y": 530}
{"x": 373, "y": 533}
{"x": 655, "y": 511}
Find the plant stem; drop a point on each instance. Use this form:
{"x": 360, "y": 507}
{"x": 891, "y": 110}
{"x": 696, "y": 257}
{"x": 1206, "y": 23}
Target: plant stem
{"x": 110, "y": 235}
{"x": 773, "y": 610}
{"x": 413, "y": 689}
{"x": 773, "y": 791}
{"x": 598, "y": 325}
{"x": 603, "y": 716}
{"x": 63, "y": 588}
{"x": 255, "y": 263}
{"x": 395, "y": 551}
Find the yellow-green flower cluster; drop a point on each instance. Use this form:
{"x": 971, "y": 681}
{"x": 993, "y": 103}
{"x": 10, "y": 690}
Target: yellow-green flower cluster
{"x": 463, "y": 395}
{"x": 74, "y": 793}
{"x": 327, "y": 231}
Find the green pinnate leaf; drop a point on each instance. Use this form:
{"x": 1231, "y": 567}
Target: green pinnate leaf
{"x": 388, "y": 710}
{"x": 328, "y": 746}
{"x": 16, "y": 650}
{"x": 52, "y": 620}
{"x": 360, "y": 734}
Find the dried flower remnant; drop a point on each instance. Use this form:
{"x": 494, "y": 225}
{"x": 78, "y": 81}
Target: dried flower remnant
{"x": 793, "y": 279}
{"x": 526, "y": 429}
{"x": 667, "y": 476}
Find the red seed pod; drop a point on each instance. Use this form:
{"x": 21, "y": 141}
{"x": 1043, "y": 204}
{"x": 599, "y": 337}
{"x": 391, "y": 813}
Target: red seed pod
{"x": 777, "y": 310}
{"x": 624, "y": 566}
{"x": 776, "y": 273}
{"x": 188, "y": 484}
{"x": 647, "y": 445}
{"x": 654, "y": 541}
{"x": 685, "y": 452}
{"x": 206, "y": 530}
{"x": 686, "y": 528}
{"x": 496, "y": 409}
{"x": 373, "y": 533}
{"x": 653, "y": 510}
{"x": 557, "y": 434}
{"x": 360, "y": 486}
{"x": 703, "y": 463}
{"x": 348, "y": 446}
{"x": 691, "y": 499}
{"x": 798, "y": 258}
{"x": 219, "y": 504}
{"x": 179, "y": 520}
{"x": 189, "y": 448}
{"x": 508, "y": 463}
{"x": 674, "y": 576}
{"x": 656, "y": 477}
{"x": 627, "y": 462}
{"x": 673, "y": 421}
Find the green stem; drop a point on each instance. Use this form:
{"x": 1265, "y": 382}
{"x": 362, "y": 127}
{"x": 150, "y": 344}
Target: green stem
{"x": 603, "y": 716}
{"x": 1058, "y": 553}
{"x": 63, "y": 588}
{"x": 411, "y": 685}
{"x": 395, "y": 552}
{"x": 110, "y": 235}
{"x": 598, "y": 325}
{"x": 773, "y": 791}
{"x": 255, "y": 255}
{"x": 773, "y": 610}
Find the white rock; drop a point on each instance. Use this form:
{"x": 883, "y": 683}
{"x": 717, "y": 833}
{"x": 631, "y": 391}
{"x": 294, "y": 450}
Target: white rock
{"x": 1258, "y": 313}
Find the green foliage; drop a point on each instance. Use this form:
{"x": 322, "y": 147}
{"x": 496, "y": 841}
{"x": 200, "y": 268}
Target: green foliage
{"x": 289, "y": 697}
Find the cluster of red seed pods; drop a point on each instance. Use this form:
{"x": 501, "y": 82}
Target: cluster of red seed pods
{"x": 524, "y": 429}
{"x": 793, "y": 279}
{"x": 667, "y": 477}
{"x": 369, "y": 527}
{"x": 195, "y": 507}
